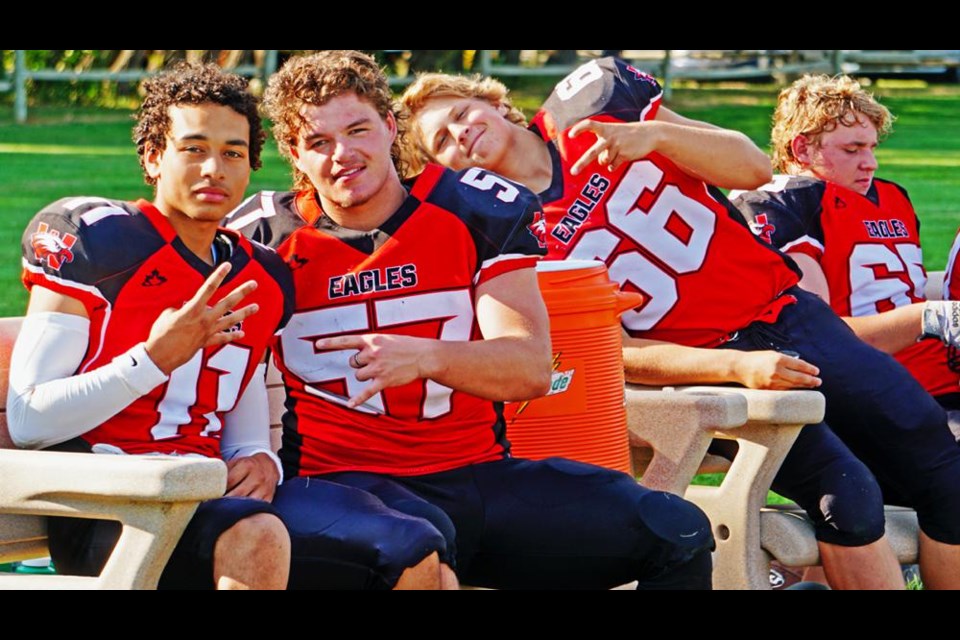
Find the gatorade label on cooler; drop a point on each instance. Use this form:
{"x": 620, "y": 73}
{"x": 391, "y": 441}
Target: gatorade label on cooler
{"x": 562, "y": 381}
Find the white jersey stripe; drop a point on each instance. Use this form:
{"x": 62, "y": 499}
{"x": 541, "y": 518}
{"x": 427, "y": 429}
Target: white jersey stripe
{"x": 497, "y": 260}
{"x": 75, "y": 203}
{"x": 266, "y": 203}
{"x": 96, "y": 215}
{"x": 81, "y": 287}
{"x": 813, "y": 242}
{"x": 951, "y": 265}
{"x": 266, "y": 210}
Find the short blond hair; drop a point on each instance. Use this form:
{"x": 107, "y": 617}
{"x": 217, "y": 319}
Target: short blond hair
{"x": 816, "y": 104}
{"x": 428, "y": 86}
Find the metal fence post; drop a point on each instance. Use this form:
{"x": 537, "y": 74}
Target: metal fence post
{"x": 486, "y": 66}
{"x": 20, "y": 85}
{"x": 270, "y": 63}
{"x": 836, "y": 61}
{"x": 667, "y": 73}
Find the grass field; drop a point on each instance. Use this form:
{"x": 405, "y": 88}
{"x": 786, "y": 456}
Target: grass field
{"x": 70, "y": 152}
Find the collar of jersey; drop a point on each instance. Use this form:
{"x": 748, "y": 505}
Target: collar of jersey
{"x": 159, "y": 221}
{"x": 310, "y": 210}
{"x": 543, "y": 126}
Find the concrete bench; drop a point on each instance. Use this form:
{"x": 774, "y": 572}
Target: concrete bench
{"x": 670, "y": 432}
{"x": 154, "y": 499}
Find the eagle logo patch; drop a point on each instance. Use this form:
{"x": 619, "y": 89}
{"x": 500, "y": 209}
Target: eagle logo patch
{"x": 763, "y": 228}
{"x": 48, "y": 245}
{"x": 538, "y": 229}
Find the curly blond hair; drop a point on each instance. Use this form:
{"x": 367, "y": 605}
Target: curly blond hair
{"x": 315, "y": 80}
{"x": 816, "y": 104}
{"x": 441, "y": 85}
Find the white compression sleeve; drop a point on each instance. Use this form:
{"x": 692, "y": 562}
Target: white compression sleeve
{"x": 246, "y": 429}
{"x": 46, "y": 403}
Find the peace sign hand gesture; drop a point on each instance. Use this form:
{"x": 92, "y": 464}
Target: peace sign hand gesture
{"x": 616, "y": 143}
{"x": 178, "y": 334}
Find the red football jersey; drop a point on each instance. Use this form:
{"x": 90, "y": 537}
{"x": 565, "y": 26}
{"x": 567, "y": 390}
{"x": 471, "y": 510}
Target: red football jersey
{"x": 951, "y": 283}
{"x": 661, "y": 232}
{"x": 868, "y": 247}
{"x": 125, "y": 263}
{"x": 416, "y": 275}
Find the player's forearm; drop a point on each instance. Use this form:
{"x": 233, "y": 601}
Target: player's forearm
{"x": 891, "y": 331}
{"x": 720, "y": 157}
{"x": 46, "y": 405}
{"x": 660, "y": 364}
{"x": 505, "y": 369}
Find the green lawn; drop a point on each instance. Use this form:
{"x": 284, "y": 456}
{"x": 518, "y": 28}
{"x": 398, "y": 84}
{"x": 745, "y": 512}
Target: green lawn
{"x": 922, "y": 154}
{"x": 70, "y": 152}
{"x": 88, "y": 153}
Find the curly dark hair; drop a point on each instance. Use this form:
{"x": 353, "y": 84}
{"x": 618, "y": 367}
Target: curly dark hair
{"x": 193, "y": 84}
{"x": 315, "y": 80}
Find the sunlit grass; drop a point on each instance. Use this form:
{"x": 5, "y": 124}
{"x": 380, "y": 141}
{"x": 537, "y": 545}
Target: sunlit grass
{"x": 87, "y": 151}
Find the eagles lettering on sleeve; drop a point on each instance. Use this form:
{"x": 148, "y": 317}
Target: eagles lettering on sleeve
{"x": 124, "y": 262}
{"x": 416, "y": 275}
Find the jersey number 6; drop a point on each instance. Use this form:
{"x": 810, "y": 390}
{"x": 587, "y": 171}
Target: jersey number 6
{"x": 675, "y": 229}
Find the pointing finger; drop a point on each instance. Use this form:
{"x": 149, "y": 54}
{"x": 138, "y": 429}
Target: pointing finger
{"x": 584, "y": 126}
{"x": 362, "y": 397}
{"x": 236, "y": 317}
{"x": 339, "y": 343}
{"x": 234, "y": 297}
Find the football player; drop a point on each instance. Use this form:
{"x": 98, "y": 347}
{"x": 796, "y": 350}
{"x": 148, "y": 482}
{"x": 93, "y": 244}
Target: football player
{"x": 628, "y": 182}
{"x": 147, "y": 328}
{"x": 951, "y": 282}
{"x": 856, "y": 237}
{"x": 418, "y": 314}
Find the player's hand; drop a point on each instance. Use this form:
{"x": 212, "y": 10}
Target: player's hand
{"x": 384, "y": 360}
{"x": 253, "y": 477}
{"x": 773, "y": 371}
{"x": 616, "y": 143}
{"x": 178, "y": 334}
{"x": 941, "y": 319}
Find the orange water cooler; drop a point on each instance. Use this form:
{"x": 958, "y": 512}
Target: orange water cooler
{"x": 583, "y": 416}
